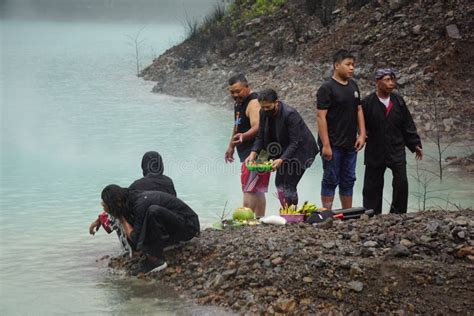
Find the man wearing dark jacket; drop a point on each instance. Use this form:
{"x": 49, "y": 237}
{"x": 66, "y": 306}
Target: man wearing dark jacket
{"x": 390, "y": 128}
{"x": 153, "y": 177}
{"x": 288, "y": 140}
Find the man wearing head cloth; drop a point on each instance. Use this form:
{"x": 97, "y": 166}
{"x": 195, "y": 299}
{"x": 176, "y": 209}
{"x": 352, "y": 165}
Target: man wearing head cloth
{"x": 390, "y": 128}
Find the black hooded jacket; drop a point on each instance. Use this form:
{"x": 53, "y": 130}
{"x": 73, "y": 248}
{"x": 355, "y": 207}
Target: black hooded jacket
{"x": 286, "y": 136}
{"x": 387, "y": 135}
{"x": 153, "y": 177}
{"x": 141, "y": 203}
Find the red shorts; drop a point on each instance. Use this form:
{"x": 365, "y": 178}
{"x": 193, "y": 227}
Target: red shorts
{"x": 253, "y": 181}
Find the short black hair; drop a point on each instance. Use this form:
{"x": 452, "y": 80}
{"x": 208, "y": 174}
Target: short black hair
{"x": 238, "y": 78}
{"x": 342, "y": 54}
{"x": 267, "y": 95}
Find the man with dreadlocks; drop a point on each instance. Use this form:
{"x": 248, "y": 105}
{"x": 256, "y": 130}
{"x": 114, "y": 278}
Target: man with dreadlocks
{"x": 151, "y": 220}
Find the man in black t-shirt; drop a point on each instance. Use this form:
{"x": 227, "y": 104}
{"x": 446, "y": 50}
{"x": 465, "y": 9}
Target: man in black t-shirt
{"x": 340, "y": 118}
{"x": 246, "y": 123}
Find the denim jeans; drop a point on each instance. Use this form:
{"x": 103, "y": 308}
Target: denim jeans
{"x": 339, "y": 171}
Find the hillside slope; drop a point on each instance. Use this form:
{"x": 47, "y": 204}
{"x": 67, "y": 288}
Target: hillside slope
{"x": 289, "y": 47}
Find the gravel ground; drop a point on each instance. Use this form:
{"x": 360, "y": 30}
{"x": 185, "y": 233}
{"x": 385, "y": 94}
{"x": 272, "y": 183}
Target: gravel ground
{"x": 418, "y": 263}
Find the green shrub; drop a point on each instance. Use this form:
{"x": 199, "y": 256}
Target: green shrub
{"x": 263, "y": 7}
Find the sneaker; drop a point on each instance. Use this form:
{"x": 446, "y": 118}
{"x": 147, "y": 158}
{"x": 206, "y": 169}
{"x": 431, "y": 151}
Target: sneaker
{"x": 148, "y": 266}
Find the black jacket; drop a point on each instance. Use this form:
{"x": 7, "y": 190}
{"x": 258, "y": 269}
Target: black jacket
{"x": 387, "y": 136}
{"x": 142, "y": 201}
{"x": 294, "y": 140}
{"x": 153, "y": 177}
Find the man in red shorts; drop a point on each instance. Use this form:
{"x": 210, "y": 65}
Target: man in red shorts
{"x": 246, "y": 121}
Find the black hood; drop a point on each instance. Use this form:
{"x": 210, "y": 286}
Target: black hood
{"x": 152, "y": 164}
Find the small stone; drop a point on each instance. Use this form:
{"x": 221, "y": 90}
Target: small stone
{"x": 355, "y": 238}
{"x": 277, "y": 261}
{"x": 257, "y": 44}
{"x": 286, "y": 306}
{"x": 356, "y": 286}
{"x": 370, "y": 243}
{"x": 329, "y": 244}
{"x": 416, "y": 29}
{"x": 228, "y": 273}
{"x": 412, "y": 67}
{"x": 425, "y": 239}
{"x": 355, "y": 271}
{"x": 399, "y": 251}
{"x": 453, "y": 31}
{"x": 407, "y": 243}
{"x": 440, "y": 280}
{"x": 461, "y": 221}
{"x": 402, "y": 81}
{"x": 378, "y": 16}
{"x": 307, "y": 280}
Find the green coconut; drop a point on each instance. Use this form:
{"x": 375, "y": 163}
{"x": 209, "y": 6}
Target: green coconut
{"x": 243, "y": 214}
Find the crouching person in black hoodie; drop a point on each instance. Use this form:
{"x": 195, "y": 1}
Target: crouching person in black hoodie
{"x": 151, "y": 220}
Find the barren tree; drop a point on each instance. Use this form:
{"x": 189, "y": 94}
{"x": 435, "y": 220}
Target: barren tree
{"x": 137, "y": 43}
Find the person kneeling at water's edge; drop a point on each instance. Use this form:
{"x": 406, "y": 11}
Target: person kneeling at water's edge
{"x": 151, "y": 220}
{"x": 153, "y": 180}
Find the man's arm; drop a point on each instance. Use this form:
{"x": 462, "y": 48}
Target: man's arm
{"x": 229, "y": 153}
{"x": 258, "y": 142}
{"x": 410, "y": 134}
{"x": 360, "y": 142}
{"x": 326, "y": 151}
{"x": 253, "y": 113}
{"x": 126, "y": 227}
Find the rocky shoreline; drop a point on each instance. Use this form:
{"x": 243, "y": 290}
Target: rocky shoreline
{"x": 417, "y": 263}
{"x": 427, "y": 42}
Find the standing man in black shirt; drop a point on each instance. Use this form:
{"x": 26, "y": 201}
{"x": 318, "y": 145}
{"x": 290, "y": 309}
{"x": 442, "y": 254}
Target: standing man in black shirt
{"x": 390, "y": 128}
{"x": 340, "y": 118}
{"x": 246, "y": 124}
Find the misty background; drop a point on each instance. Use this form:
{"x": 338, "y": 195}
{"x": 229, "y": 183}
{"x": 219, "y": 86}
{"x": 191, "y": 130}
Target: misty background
{"x": 143, "y": 11}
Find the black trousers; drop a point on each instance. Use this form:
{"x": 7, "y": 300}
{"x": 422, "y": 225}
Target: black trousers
{"x": 373, "y": 188}
{"x": 163, "y": 227}
{"x": 286, "y": 180}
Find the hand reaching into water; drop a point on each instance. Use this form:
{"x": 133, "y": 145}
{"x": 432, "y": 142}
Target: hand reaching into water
{"x": 94, "y": 227}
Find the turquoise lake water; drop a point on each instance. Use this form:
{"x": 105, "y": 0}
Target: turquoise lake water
{"x": 75, "y": 118}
